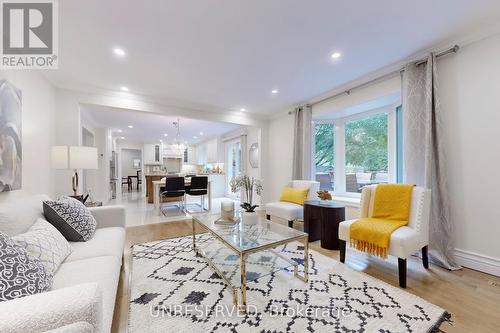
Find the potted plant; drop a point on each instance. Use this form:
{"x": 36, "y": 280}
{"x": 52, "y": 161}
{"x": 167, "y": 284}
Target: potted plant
{"x": 249, "y": 186}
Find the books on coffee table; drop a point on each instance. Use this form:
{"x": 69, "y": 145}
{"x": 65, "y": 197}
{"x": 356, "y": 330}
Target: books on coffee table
{"x": 225, "y": 220}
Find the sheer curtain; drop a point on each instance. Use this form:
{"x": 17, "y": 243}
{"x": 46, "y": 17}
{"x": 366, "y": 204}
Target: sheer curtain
{"x": 424, "y": 159}
{"x": 302, "y": 152}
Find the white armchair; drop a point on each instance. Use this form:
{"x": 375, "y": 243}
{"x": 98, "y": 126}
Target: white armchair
{"x": 292, "y": 211}
{"x": 406, "y": 240}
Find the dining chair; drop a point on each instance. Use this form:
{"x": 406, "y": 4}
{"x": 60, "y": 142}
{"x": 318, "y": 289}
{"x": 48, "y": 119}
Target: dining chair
{"x": 198, "y": 187}
{"x": 139, "y": 179}
{"x": 174, "y": 188}
{"x": 126, "y": 181}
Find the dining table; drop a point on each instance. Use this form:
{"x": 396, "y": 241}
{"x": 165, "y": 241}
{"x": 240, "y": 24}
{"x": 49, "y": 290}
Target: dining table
{"x": 157, "y": 184}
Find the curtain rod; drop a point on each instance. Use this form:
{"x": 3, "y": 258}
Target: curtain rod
{"x": 453, "y": 49}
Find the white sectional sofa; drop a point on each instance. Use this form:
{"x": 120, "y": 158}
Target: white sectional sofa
{"x": 82, "y": 297}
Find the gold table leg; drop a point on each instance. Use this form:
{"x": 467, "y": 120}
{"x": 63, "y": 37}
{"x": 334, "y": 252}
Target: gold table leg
{"x": 243, "y": 285}
{"x": 306, "y": 259}
{"x": 194, "y": 239}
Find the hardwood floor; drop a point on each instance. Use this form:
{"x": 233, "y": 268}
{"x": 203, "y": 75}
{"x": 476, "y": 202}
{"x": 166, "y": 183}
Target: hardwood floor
{"x": 472, "y": 297}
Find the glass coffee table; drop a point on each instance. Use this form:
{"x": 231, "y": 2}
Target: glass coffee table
{"x": 244, "y": 252}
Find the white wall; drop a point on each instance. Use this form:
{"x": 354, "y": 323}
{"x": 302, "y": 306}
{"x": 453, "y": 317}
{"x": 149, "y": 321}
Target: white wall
{"x": 470, "y": 99}
{"x": 279, "y": 156}
{"x": 384, "y": 93}
{"x": 38, "y": 129}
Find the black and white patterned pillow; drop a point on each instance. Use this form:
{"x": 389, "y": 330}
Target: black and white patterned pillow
{"x": 71, "y": 218}
{"x": 21, "y": 274}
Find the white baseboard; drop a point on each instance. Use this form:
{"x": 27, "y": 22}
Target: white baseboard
{"x": 478, "y": 262}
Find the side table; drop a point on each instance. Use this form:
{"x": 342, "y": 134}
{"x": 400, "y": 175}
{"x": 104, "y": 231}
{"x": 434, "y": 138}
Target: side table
{"x": 321, "y": 221}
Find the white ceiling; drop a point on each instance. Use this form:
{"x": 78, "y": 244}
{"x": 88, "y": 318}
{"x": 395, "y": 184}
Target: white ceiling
{"x": 149, "y": 127}
{"x": 228, "y": 54}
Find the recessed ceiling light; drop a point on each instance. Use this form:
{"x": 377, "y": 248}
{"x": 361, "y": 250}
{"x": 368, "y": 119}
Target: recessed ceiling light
{"x": 119, "y": 131}
{"x": 130, "y": 126}
{"x": 336, "y": 55}
{"x": 195, "y": 137}
{"x": 242, "y": 109}
{"x": 274, "y": 91}
{"x": 201, "y": 133}
{"x": 165, "y": 135}
{"x": 124, "y": 88}
{"x": 119, "y": 52}
{"x": 122, "y": 137}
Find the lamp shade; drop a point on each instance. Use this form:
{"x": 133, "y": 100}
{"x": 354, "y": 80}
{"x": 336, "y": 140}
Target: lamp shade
{"x": 59, "y": 157}
{"x": 81, "y": 157}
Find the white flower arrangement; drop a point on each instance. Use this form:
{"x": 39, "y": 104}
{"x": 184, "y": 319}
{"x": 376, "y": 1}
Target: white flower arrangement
{"x": 249, "y": 185}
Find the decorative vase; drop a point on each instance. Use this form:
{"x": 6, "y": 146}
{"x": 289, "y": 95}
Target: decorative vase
{"x": 249, "y": 218}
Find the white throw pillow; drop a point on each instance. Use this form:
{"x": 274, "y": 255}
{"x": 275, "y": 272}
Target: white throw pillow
{"x": 45, "y": 242}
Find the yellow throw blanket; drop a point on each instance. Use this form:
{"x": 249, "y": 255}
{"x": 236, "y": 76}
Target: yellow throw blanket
{"x": 391, "y": 208}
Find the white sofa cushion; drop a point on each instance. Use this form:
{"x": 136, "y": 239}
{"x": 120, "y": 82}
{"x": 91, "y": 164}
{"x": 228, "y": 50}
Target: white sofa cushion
{"x": 45, "y": 242}
{"x": 285, "y": 210}
{"x": 53, "y": 309}
{"x": 103, "y": 270}
{"x": 109, "y": 216}
{"x": 19, "y": 214}
{"x": 106, "y": 242}
{"x": 402, "y": 243}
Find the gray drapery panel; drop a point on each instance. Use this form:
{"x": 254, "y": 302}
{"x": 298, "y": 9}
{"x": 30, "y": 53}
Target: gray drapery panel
{"x": 302, "y": 143}
{"x": 424, "y": 160}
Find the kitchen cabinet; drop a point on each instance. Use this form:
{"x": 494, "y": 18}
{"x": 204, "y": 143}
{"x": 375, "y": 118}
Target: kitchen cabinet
{"x": 212, "y": 151}
{"x": 152, "y": 154}
{"x": 172, "y": 151}
{"x": 190, "y": 155}
{"x": 201, "y": 154}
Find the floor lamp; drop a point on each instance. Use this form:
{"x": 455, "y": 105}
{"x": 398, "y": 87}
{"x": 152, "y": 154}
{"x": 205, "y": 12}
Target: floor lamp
{"x": 74, "y": 158}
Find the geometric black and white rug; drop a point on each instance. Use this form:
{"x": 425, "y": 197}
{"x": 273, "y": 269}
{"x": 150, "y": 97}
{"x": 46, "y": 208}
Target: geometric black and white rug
{"x": 172, "y": 290}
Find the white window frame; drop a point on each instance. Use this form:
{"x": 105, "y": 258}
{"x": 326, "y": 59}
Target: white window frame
{"x": 339, "y": 147}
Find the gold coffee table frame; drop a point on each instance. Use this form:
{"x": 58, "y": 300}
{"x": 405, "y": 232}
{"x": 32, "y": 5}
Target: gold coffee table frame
{"x": 243, "y": 255}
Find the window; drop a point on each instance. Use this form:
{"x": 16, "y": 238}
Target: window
{"x": 355, "y": 151}
{"x": 366, "y": 158}
{"x": 233, "y": 162}
{"x": 324, "y": 155}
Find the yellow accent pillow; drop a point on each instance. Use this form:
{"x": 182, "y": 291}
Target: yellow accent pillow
{"x": 294, "y": 195}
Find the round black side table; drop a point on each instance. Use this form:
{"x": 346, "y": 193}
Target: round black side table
{"x": 321, "y": 221}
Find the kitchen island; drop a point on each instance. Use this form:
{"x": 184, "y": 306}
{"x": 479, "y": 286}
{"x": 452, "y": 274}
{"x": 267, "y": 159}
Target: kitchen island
{"x": 149, "y": 185}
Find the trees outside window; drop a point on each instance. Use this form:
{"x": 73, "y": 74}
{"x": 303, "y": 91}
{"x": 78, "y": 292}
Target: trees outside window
{"x": 366, "y": 157}
{"x": 363, "y": 155}
{"x": 324, "y": 155}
